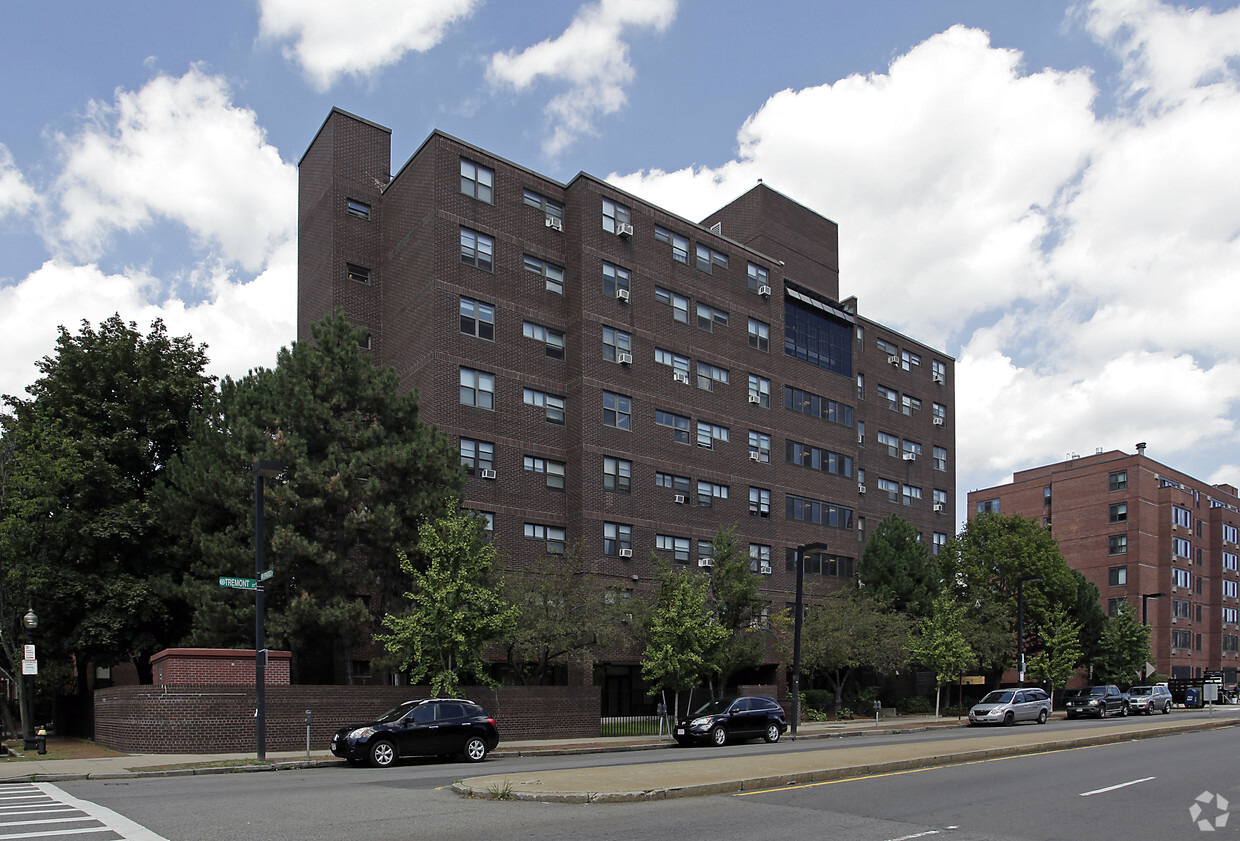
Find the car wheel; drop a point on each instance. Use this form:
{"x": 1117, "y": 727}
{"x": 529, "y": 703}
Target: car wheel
{"x": 475, "y": 749}
{"x": 1167, "y": 709}
{"x": 772, "y": 733}
{"x": 382, "y": 753}
{"x": 1102, "y": 711}
{"x": 1042, "y": 716}
{"x": 718, "y": 736}
{"x": 1123, "y": 710}
{"x": 1009, "y": 720}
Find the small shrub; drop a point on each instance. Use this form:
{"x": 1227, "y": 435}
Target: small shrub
{"x": 500, "y": 791}
{"x": 817, "y": 699}
{"x": 914, "y": 705}
{"x": 844, "y": 714}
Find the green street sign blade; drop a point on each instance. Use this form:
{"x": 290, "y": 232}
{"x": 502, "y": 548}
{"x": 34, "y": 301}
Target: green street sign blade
{"x": 266, "y": 574}
{"x": 239, "y": 583}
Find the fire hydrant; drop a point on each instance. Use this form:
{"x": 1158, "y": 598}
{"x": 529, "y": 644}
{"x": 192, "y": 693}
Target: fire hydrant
{"x": 40, "y": 741}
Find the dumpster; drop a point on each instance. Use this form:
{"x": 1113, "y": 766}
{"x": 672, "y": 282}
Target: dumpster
{"x": 1192, "y": 696}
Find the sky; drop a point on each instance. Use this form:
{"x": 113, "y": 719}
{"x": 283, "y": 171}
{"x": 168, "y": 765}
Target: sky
{"x": 1048, "y": 192}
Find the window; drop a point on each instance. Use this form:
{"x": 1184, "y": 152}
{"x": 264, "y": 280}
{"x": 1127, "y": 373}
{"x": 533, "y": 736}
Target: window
{"x": 759, "y": 558}
{"x": 1118, "y": 512}
{"x": 1231, "y": 643}
{"x": 677, "y": 546}
{"x": 887, "y": 347}
{"x": 818, "y": 407}
{"x": 939, "y": 412}
{"x": 617, "y": 410}
{"x": 940, "y": 458}
{"x": 1117, "y": 544}
{"x": 553, "y": 535}
{"x": 476, "y": 180}
{"x": 615, "y": 342}
{"x": 677, "y": 423}
{"x": 1181, "y": 609}
{"x": 477, "y": 249}
{"x": 912, "y": 494}
{"x": 817, "y": 511}
{"x": 708, "y": 375}
{"x": 1181, "y": 548}
{"x": 1117, "y": 576}
{"x": 1181, "y": 639}
{"x": 820, "y": 563}
{"x": 940, "y": 541}
{"x": 680, "y": 245}
{"x": 358, "y": 208}
{"x": 891, "y": 397}
{"x": 553, "y": 275}
{"x": 552, "y": 339}
{"x": 709, "y": 433}
{"x": 911, "y": 448}
{"x": 477, "y": 319}
{"x": 861, "y": 433}
{"x": 477, "y": 455}
{"x": 617, "y": 475}
{"x": 1118, "y": 481}
{"x": 1181, "y": 578}
{"x": 363, "y": 341}
{"x": 477, "y": 388}
{"x": 988, "y": 506}
{"x": 1229, "y": 533}
{"x": 817, "y": 335}
{"x": 553, "y": 405}
{"x": 708, "y": 317}
{"x": 554, "y": 470}
{"x": 759, "y": 335}
{"x": 892, "y": 489}
{"x": 938, "y": 371}
{"x": 552, "y": 209}
{"x": 1181, "y": 517}
{"x": 758, "y": 277}
{"x": 759, "y": 502}
{"x": 760, "y": 443}
{"x": 940, "y": 498}
{"x": 1113, "y": 605}
{"x": 909, "y": 361}
{"x": 1229, "y": 616}
{"x": 1230, "y": 560}
{"x": 760, "y": 387}
{"x": 707, "y": 258}
{"x": 678, "y": 303}
{"x": 709, "y": 491}
{"x": 617, "y": 536}
{"x": 614, "y": 215}
{"x": 672, "y": 360}
{"x": 706, "y": 553}
{"x": 1230, "y": 589}
{"x": 357, "y": 273}
{"x": 909, "y": 404}
{"x": 891, "y": 442}
{"x": 488, "y": 525}
{"x": 817, "y": 458}
{"x": 679, "y": 484}
{"x": 614, "y": 279}
{"x": 861, "y": 386}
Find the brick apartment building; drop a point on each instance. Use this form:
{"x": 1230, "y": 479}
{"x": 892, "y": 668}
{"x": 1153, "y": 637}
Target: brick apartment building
{"x": 1145, "y": 533}
{"x": 617, "y": 374}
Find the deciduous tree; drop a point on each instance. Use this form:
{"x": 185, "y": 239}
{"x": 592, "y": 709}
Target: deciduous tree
{"x": 1061, "y": 650}
{"x": 736, "y": 601}
{"x": 681, "y": 632}
{"x": 941, "y": 646}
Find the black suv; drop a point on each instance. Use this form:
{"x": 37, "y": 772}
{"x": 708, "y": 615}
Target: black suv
{"x": 432, "y": 727}
{"x": 746, "y": 717}
{"x": 1099, "y": 701}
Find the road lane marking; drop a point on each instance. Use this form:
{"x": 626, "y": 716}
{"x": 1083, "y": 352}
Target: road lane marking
{"x": 114, "y": 821}
{"x": 1114, "y": 787}
{"x": 916, "y": 835}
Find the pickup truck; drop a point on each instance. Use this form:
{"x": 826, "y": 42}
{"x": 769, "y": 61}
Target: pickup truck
{"x": 1099, "y": 701}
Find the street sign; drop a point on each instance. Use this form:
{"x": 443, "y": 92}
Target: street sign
{"x": 266, "y": 574}
{"x": 28, "y": 652}
{"x": 239, "y": 583}
{"x": 30, "y": 667}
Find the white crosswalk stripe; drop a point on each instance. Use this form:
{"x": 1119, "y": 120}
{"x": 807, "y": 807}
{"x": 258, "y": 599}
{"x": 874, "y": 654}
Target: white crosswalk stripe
{"x": 41, "y": 810}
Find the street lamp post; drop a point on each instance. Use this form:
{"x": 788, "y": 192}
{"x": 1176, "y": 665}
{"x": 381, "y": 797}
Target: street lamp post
{"x": 1020, "y": 627}
{"x": 1145, "y": 618}
{"x": 798, "y": 612}
{"x": 261, "y": 469}
{"x": 31, "y": 621}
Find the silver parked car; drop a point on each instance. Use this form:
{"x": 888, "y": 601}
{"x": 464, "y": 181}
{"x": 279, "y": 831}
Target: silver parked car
{"x": 1149, "y": 700}
{"x": 1008, "y": 706}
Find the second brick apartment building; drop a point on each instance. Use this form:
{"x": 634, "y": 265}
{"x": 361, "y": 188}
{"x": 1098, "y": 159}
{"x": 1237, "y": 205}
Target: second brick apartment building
{"x": 616, "y": 374}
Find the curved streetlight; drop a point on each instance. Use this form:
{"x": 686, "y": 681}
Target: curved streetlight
{"x": 1145, "y": 619}
{"x": 29, "y": 669}
{"x": 799, "y": 610}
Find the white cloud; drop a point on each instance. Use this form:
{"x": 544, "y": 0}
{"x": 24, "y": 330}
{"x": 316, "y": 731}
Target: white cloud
{"x": 16, "y": 196}
{"x": 591, "y": 56}
{"x": 176, "y": 150}
{"x": 333, "y": 39}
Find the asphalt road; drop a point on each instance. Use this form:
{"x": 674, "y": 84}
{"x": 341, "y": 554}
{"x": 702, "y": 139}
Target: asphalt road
{"x": 1030, "y": 797}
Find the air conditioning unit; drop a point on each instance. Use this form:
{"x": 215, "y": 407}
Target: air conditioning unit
{"x": 679, "y": 499}
{"x": 680, "y": 377}
{"x": 938, "y": 508}
{"x": 554, "y": 224}
{"x": 938, "y": 421}
{"x": 755, "y": 399}
{"x": 624, "y": 229}
{"x": 860, "y": 489}
{"x": 755, "y": 457}
{"x": 622, "y": 295}
{"x": 893, "y": 360}
{"x": 910, "y": 456}
{"x": 764, "y": 291}
{"x": 626, "y": 553}
{"x": 488, "y": 473}
{"x": 624, "y": 358}
{"x": 706, "y": 562}
{"x": 860, "y": 438}
{"x": 938, "y": 378}
{"x": 766, "y": 570}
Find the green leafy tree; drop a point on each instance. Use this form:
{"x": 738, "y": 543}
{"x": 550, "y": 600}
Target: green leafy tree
{"x": 896, "y": 570}
{"x": 561, "y": 612}
{"x": 1125, "y": 647}
{"x": 454, "y": 608}
{"x": 941, "y": 646}
{"x": 1055, "y": 664}
{"x": 736, "y": 601}
{"x": 362, "y": 473}
{"x": 83, "y": 540}
{"x": 681, "y": 632}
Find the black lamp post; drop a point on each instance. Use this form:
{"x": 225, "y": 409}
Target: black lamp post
{"x": 1145, "y": 618}
{"x": 261, "y": 469}
{"x": 798, "y": 612}
{"x": 1020, "y": 627}
{"x": 31, "y": 621}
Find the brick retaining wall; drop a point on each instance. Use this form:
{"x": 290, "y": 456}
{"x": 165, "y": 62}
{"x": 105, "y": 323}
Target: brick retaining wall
{"x": 220, "y": 719}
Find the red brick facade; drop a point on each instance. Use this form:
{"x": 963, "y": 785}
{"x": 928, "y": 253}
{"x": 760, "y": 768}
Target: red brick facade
{"x": 216, "y": 667}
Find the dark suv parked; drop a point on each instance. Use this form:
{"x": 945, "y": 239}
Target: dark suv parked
{"x": 1099, "y": 701}
{"x": 432, "y": 727}
{"x": 727, "y": 719}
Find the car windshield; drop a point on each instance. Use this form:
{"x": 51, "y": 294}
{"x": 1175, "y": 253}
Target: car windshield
{"x": 714, "y": 707}
{"x": 998, "y": 697}
{"x": 1097, "y": 690}
{"x": 1140, "y": 690}
{"x": 394, "y": 715}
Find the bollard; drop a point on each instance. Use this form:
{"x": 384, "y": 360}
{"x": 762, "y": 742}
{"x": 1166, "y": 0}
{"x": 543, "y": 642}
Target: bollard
{"x": 309, "y": 716}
